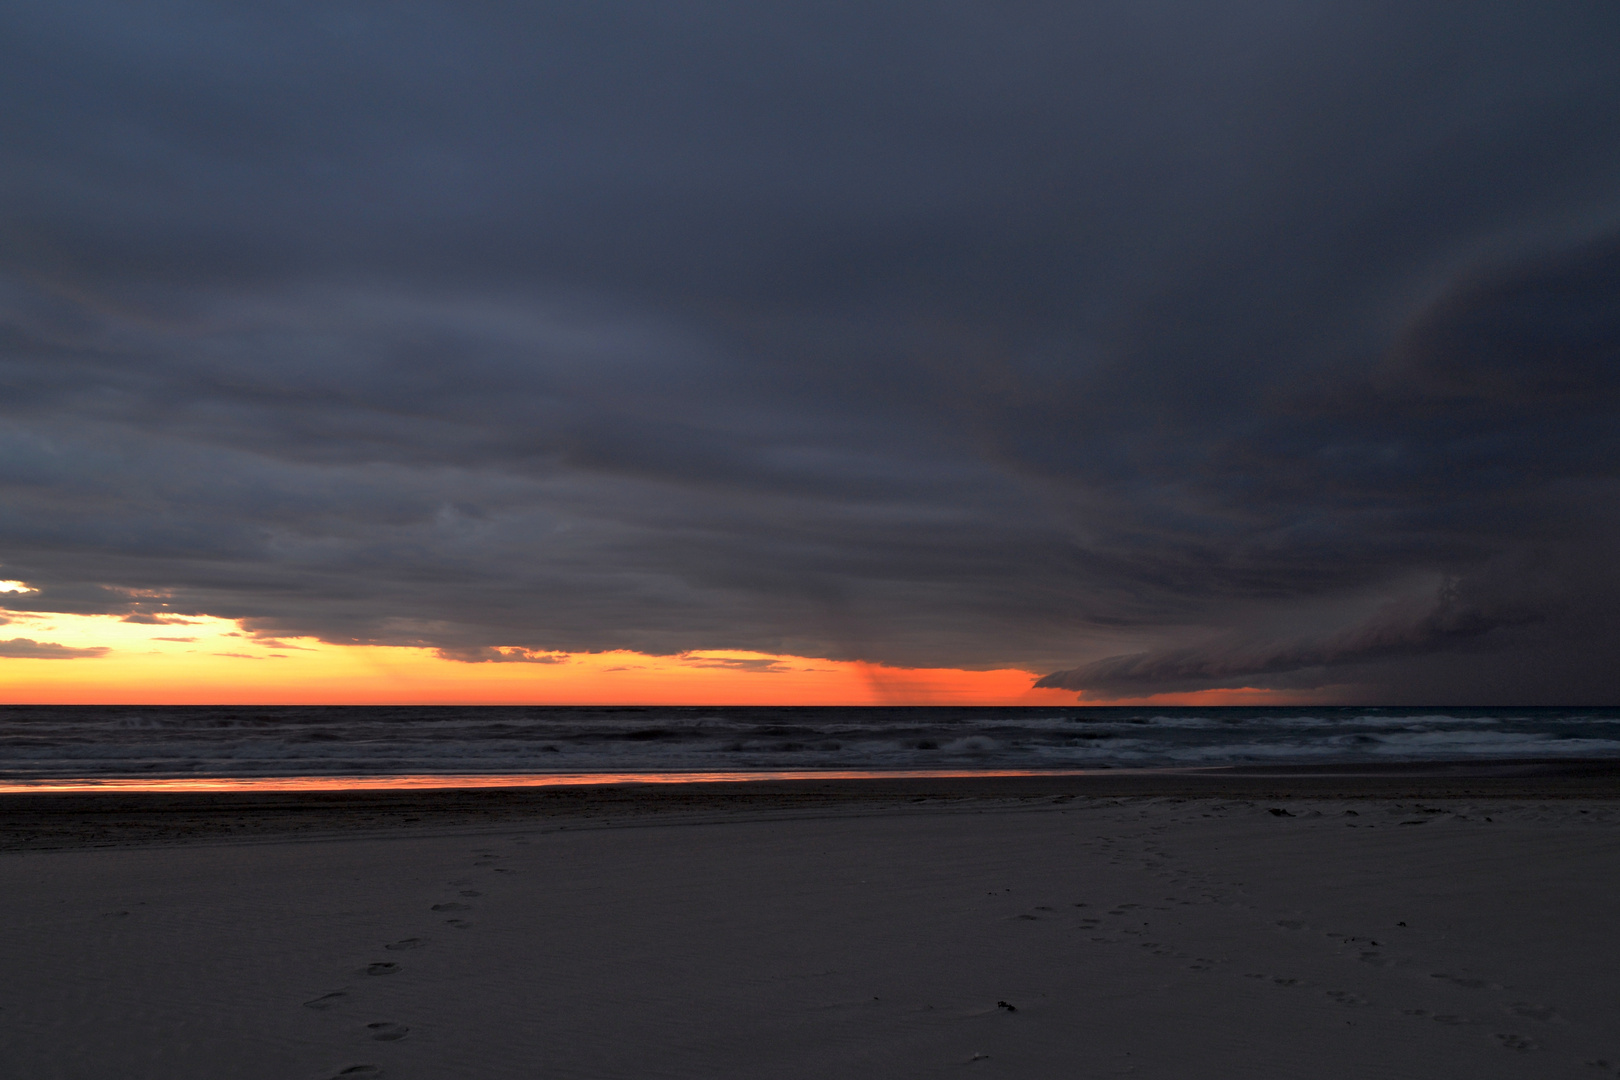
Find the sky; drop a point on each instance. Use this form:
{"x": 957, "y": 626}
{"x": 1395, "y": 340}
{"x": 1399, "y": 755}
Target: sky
{"x": 989, "y": 352}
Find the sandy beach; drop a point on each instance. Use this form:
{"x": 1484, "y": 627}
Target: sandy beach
{"x": 1409, "y": 923}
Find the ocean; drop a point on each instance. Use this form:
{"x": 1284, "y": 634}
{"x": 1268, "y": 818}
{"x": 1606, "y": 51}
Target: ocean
{"x": 52, "y": 745}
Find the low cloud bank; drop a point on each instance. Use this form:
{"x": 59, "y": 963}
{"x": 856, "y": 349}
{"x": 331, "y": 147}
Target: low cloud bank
{"x": 28, "y": 649}
{"x": 1400, "y": 630}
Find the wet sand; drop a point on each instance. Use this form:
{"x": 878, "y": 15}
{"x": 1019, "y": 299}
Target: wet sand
{"x": 1430, "y": 922}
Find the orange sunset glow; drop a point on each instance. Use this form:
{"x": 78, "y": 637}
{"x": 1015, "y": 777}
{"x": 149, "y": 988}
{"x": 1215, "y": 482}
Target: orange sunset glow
{"x": 205, "y": 660}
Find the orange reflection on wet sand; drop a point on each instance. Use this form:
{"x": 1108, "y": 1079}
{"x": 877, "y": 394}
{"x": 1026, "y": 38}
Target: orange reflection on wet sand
{"x": 424, "y": 782}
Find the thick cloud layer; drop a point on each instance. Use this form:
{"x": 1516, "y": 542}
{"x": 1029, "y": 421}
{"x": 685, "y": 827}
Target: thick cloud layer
{"x": 1158, "y": 345}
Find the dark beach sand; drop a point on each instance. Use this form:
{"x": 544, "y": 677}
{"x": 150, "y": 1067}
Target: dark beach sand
{"x": 1433, "y": 921}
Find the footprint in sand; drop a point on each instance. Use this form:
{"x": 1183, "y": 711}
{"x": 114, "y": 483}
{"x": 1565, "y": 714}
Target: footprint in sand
{"x": 1439, "y": 1018}
{"x": 459, "y": 924}
{"x": 387, "y": 1031}
{"x": 452, "y": 907}
{"x": 327, "y": 1001}
{"x": 1344, "y": 997}
{"x": 357, "y": 1071}
{"x": 407, "y": 943}
{"x": 1533, "y": 1012}
{"x": 1516, "y": 1042}
{"x": 382, "y": 967}
{"x": 1470, "y": 984}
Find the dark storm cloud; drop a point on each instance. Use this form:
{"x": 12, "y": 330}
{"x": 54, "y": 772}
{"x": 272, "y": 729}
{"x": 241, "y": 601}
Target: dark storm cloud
{"x": 1400, "y": 630}
{"x": 1169, "y": 345}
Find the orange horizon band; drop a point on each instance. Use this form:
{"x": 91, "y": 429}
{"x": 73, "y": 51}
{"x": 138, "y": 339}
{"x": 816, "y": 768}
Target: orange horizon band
{"x": 163, "y": 659}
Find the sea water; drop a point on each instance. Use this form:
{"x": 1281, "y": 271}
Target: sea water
{"x": 45, "y": 744}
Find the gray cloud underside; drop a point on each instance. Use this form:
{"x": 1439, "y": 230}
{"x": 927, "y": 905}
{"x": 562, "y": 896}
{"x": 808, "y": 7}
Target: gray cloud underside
{"x": 1169, "y": 344}
{"x": 28, "y": 649}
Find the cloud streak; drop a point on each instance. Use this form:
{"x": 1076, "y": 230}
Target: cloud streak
{"x": 29, "y": 649}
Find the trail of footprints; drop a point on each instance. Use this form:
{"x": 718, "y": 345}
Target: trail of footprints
{"x": 457, "y": 910}
{"x": 1122, "y": 923}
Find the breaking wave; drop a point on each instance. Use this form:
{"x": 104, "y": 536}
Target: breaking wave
{"x": 57, "y": 742}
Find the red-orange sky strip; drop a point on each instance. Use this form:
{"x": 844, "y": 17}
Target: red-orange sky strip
{"x": 202, "y": 660}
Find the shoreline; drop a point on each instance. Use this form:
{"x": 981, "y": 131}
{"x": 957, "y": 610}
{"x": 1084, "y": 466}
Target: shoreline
{"x": 56, "y": 820}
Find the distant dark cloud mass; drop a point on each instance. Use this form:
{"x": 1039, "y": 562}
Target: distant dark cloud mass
{"x": 1156, "y": 346}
